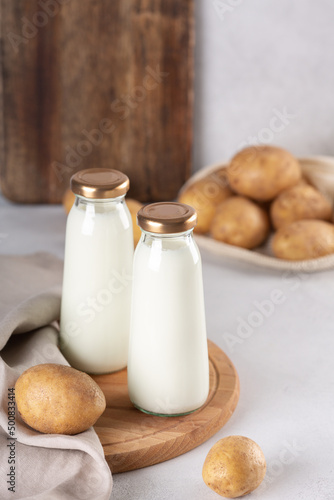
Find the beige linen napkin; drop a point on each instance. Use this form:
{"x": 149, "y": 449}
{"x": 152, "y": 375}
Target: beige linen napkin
{"x": 39, "y": 466}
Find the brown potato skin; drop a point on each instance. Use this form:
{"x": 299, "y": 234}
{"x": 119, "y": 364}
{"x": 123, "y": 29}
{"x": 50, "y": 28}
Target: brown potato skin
{"x": 304, "y": 240}
{"x": 304, "y": 181}
{"x": 262, "y": 172}
{"x": 234, "y": 467}
{"x": 134, "y": 206}
{"x": 57, "y": 399}
{"x": 240, "y": 222}
{"x": 298, "y": 203}
{"x": 204, "y": 195}
{"x": 68, "y": 200}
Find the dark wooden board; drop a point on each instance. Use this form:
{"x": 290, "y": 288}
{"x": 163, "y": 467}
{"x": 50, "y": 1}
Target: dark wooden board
{"x": 123, "y": 69}
{"x": 132, "y": 439}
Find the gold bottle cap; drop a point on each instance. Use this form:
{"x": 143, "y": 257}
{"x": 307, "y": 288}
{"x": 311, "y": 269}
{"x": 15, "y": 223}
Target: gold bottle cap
{"x": 167, "y": 218}
{"x": 99, "y": 183}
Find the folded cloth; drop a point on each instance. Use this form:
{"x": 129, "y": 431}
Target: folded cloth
{"x": 35, "y": 466}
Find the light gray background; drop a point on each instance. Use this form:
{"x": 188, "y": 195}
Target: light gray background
{"x": 255, "y": 56}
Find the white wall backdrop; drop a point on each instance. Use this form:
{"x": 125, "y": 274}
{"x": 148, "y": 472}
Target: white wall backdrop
{"x": 264, "y": 73}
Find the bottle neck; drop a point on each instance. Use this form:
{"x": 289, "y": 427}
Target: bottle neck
{"x": 167, "y": 241}
{"x": 98, "y": 205}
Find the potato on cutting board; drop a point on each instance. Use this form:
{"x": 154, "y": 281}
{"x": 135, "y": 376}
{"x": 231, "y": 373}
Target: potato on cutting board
{"x": 240, "y": 222}
{"x": 57, "y": 399}
{"x": 298, "y": 203}
{"x": 262, "y": 172}
{"x": 204, "y": 195}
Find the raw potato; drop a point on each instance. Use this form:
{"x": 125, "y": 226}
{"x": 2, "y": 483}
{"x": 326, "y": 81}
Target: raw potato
{"x": 57, "y": 399}
{"x": 303, "y": 240}
{"x": 204, "y": 195}
{"x": 304, "y": 181}
{"x": 298, "y": 203}
{"x": 240, "y": 222}
{"x": 134, "y": 206}
{"x": 262, "y": 172}
{"x": 234, "y": 467}
{"x": 68, "y": 200}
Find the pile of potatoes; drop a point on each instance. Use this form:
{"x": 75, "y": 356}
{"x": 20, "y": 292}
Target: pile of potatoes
{"x": 263, "y": 189}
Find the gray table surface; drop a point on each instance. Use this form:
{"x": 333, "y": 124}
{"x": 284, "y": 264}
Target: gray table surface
{"x": 284, "y": 361}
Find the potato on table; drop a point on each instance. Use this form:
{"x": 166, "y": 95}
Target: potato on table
{"x": 262, "y": 172}
{"x": 303, "y": 240}
{"x": 240, "y": 222}
{"x": 204, "y": 195}
{"x": 298, "y": 203}
{"x": 57, "y": 399}
{"x": 234, "y": 466}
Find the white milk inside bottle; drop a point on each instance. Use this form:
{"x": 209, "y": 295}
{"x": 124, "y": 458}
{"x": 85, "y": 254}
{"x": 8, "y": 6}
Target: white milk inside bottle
{"x": 168, "y": 371}
{"x": 96, "y": 298}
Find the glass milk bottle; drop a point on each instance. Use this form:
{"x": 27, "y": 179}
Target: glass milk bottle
{"x": 168, "y": 369}
{"x": 96, "y": 298}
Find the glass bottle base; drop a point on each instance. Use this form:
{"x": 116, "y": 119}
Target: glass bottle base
{"x": 104, "y": 373}
{"x": 156, "y": 414}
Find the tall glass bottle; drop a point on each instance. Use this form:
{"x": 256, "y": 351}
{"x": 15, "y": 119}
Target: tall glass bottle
{"x": 168, "y": 370}
{"x": 96, "y": 298}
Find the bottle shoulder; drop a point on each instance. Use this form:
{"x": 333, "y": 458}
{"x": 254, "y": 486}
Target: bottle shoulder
{"x": 98, "y": 215}
{"x": 168, "y": 249}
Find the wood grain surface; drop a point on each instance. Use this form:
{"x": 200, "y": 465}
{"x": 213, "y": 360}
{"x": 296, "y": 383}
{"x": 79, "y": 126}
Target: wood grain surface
{"x": 95, "y": 84}
{"x": 132, "y": 439}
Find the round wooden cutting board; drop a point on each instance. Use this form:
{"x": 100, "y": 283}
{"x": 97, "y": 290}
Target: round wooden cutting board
{"x": 132, "y": 439}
